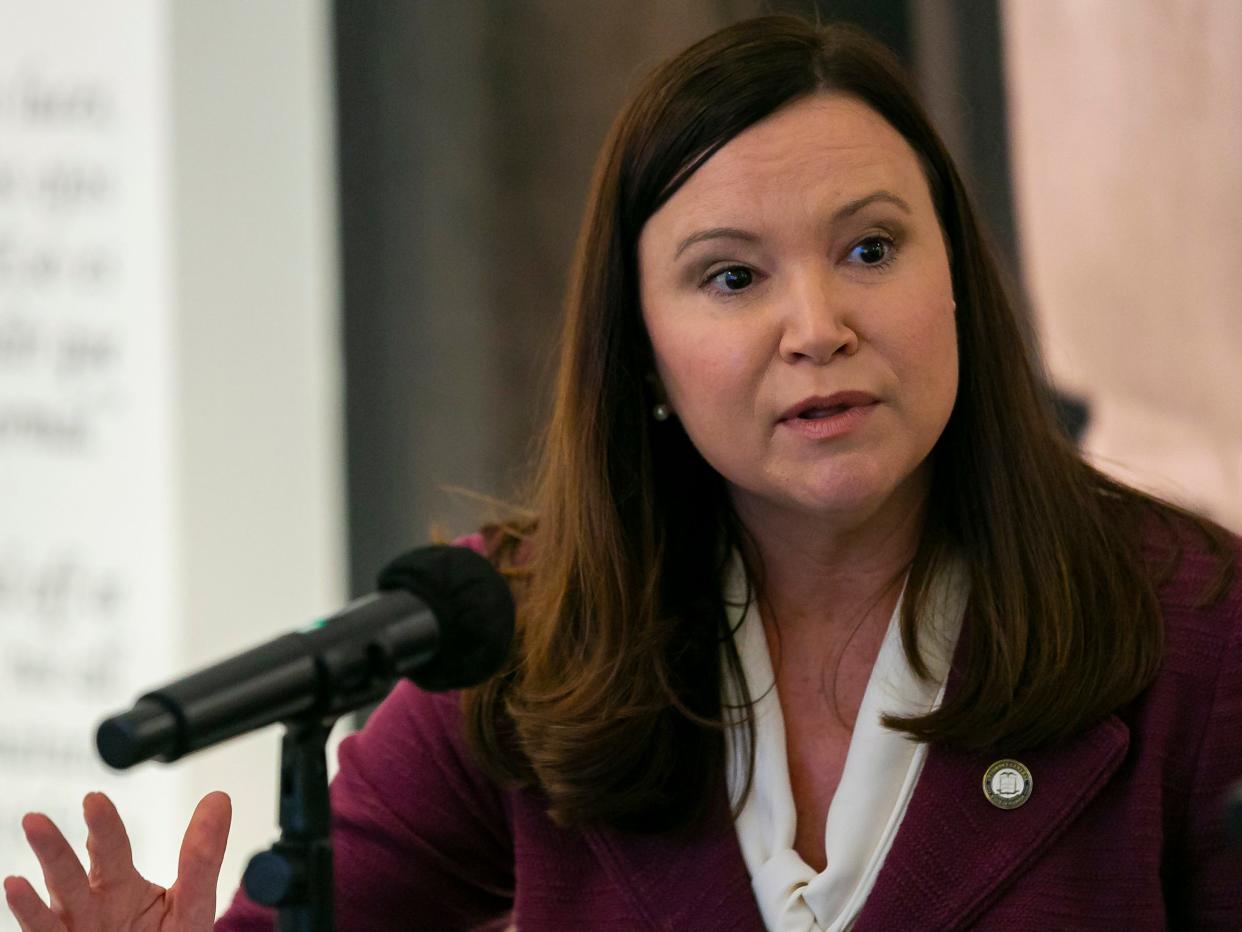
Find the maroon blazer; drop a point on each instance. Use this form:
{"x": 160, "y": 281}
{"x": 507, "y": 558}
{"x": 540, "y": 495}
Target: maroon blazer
{"x": 1123, "y": 829}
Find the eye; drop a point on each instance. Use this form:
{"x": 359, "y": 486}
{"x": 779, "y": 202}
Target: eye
{"x": 734, "y": 278}
{"x": 874, "y": 251}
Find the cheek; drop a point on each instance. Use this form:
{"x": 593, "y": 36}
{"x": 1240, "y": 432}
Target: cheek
{"x": 927, "y": 336}
{"x": 705, "y": 374}
{"x": 945, "y": 324}
{"x": 932, "y": 346}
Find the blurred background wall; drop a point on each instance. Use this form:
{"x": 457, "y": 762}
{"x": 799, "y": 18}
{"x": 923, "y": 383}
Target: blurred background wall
{"x": 341, "y": 234}
{"x": 1127, "y": 132}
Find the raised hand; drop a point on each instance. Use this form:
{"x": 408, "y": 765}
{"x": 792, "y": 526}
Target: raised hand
{"x": 114, "y": 897}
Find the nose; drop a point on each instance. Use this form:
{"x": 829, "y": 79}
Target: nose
{"x": 817, "y": 322}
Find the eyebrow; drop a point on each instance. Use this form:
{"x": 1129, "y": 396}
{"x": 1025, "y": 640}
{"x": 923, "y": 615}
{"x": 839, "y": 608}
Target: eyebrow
{"x": 846, "y": 210}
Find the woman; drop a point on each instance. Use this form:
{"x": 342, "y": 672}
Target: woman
{"x": 801, "y": 501}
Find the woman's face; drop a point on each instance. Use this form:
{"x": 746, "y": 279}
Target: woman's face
{"x": 798, "y": 298}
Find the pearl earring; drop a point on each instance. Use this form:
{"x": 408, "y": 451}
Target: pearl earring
{"x": 661, "y": 412}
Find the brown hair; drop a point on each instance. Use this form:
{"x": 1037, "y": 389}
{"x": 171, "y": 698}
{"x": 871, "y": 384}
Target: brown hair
{"x": 612, "y": 702}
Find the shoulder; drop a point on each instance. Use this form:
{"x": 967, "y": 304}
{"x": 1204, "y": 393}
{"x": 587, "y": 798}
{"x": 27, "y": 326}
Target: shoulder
{"x": 414, "y": 738}
{"x": 1199, "y": 589}
{"x": 1193, "y": 708}
{"x": 1186, "y": 725}
{"x": 1198, "y": 586}
{"x": 411, "y": 769}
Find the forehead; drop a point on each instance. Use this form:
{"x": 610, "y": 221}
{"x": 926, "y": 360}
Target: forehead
{"x": 826, "y": 148}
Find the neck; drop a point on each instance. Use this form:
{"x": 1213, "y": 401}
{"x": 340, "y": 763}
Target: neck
{"x": 833, "y": 572}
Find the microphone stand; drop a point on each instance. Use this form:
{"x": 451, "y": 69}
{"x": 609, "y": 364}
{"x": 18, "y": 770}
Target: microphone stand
{"x": 295, "y": 874}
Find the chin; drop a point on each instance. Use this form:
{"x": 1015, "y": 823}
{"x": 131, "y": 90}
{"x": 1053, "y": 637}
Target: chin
{"x": 854, "y": 496}
{"x": 852, "y": 505}
{"x": 850, "y": 489}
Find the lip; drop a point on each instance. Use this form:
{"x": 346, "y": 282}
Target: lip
{"x": 855, "y": 408}
{"x": 846, "y": 399}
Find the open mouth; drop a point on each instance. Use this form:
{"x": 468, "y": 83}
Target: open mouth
{"x": 815, "y": 414}
{"x": 829, "y": 416}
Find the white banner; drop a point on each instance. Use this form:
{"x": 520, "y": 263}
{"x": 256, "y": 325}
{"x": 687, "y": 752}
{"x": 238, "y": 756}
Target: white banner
{"x": 87, "y": 526}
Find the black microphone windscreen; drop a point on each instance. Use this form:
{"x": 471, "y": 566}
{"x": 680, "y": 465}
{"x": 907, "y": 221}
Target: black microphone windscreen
{"x": 473, "y": 608}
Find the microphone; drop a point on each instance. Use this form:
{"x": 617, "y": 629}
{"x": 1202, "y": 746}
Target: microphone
{"x": 443, "y": 617}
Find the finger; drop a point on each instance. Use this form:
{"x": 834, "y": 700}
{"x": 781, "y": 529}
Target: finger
{"x": 67, "y": 886}
{"x": 198, "y": 868}
{"x": 107, "y": 843}
{"x": 31, "y": 912}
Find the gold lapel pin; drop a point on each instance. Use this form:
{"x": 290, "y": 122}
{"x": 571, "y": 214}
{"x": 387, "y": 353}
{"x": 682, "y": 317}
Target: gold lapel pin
{"x": 1007, "y": 784}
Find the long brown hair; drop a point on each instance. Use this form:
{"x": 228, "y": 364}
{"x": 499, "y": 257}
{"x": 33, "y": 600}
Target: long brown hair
{"x": 612, "y": 704}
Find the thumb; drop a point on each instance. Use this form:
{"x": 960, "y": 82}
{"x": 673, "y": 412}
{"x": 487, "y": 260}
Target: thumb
{"x": 198, "y": 868}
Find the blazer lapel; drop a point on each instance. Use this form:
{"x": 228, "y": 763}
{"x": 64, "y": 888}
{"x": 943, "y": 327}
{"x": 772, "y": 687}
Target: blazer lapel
{"x": 955, "y": 851}
{"x": 684, "y": 880}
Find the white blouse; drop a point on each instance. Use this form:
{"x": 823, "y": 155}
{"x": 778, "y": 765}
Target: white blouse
{"x": 881, "y": 767}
